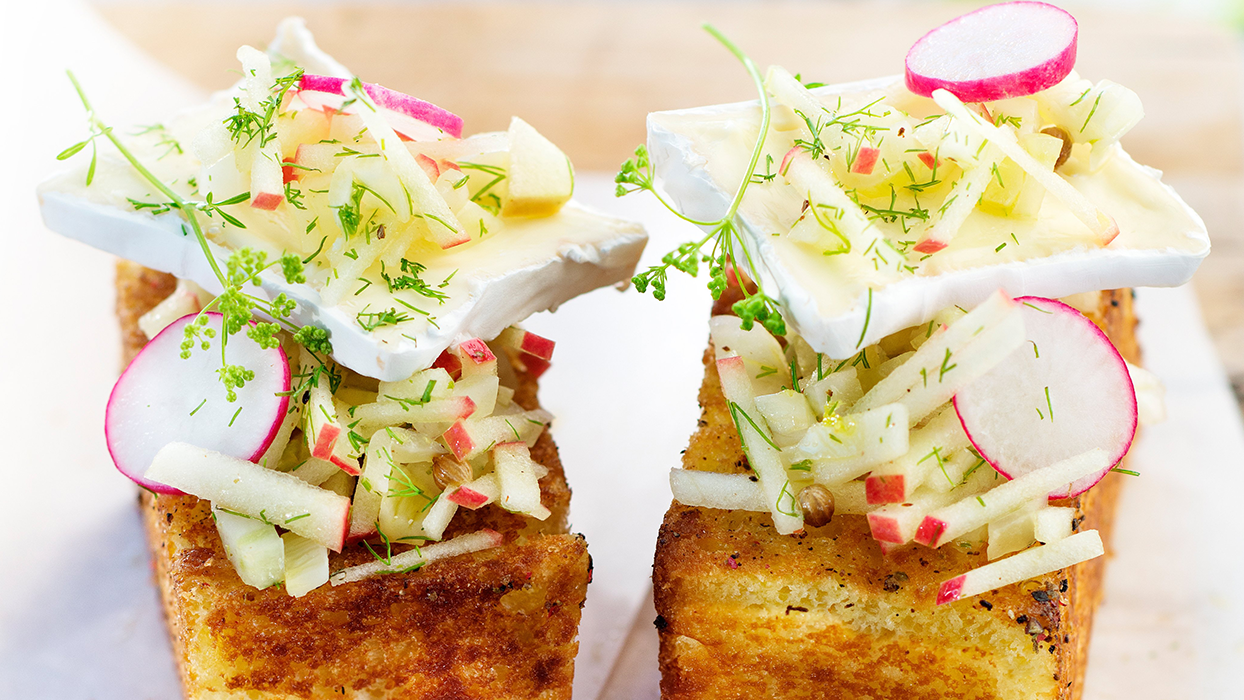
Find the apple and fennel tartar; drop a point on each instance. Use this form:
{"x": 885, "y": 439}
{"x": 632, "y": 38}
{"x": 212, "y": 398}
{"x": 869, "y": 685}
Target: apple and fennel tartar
{"x": 873, "y": 208}
{"x": 343, "y": 337}
{"x": 892, "y": 229}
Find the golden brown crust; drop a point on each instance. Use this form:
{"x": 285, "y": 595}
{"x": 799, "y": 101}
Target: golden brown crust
{"x": 746, "y": 613}
{"x": 497, "y": 624}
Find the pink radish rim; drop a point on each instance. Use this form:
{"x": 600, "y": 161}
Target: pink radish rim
{"x": 175, "y": 327}
{"x": 425, "y": 112}
{"x": 981, "y": 90}
{"x": 1135, "y": 415}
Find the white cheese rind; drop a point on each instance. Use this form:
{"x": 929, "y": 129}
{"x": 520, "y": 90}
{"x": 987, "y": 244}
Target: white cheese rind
{"x": 582, "y": 251}
{"x": 532, "y": 265}
{"x": 911, "y": 301}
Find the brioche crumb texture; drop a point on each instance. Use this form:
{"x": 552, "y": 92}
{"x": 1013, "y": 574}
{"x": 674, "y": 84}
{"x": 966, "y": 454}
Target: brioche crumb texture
{"x": 746, "y": 613}
{"x": 501, "y": 624}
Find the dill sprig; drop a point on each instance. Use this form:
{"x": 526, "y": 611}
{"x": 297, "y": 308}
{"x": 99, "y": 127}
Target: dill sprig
{"x": 849, "y": 123}
{"x": 410, "y": 280}
{"x": 242, "y": 268}
{"x": 724, "y": 238}
{"x": 246, "y": 126}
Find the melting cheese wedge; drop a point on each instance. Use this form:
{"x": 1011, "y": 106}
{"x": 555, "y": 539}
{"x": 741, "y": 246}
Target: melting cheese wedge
{"x": 478, "y": 288}
{"x": 701, "y": 154}
{"x": 497, "y": 282}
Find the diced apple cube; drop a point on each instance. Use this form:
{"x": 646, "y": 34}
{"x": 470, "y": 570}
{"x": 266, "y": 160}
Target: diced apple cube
{"x": 843, "y": 448}
{"x": 1052, "y": 524}
{"x": 458, "y": 440}
{"x": 450, "y": 363}
{"x": 516, "y": 474}
{"x": 253, "y": 547}
{"x": 1013, "y": 531}
{"x": 478, "y": 493}
{"x": 928, "y": 448}
{"x": 865, "y": 160}
{"x": 541, "y": 178}
{"x": 786, "y": 413}
{"x": 840, "y": 389}
{"x": 481, "y": 389}
{"x": 1025, "y": 565}
{"x": 466, "y": 439}
{"x": 527, "y": 342}
{"x": 477, "y": 357}
{"x": 306, "y": 565}
{"x": 439, "y": 515}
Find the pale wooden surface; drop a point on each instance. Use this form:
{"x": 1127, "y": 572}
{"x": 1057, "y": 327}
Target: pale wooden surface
{"x": 586, "y": 74}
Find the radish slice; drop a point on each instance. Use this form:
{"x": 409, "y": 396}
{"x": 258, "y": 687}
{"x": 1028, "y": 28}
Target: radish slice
{"x": 414, "y": 115}
{"x": 146, "y": 411}
{"x": 1000, "y": 51}
{"x": 1065, "y": 391}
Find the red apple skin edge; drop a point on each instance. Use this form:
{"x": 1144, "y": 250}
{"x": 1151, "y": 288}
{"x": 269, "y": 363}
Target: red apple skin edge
{"x": 949, "y": 591}
{"x": 268, "y": 201}
{"x": 458, "y": 440}
{"x": 468, "y": 498}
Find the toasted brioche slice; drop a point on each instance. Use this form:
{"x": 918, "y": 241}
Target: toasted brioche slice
{"x": 496, "y": 624}
{"x": 746, "y": 613}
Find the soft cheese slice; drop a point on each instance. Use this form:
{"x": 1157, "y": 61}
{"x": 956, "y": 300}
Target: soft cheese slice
{"x": 531, "y": 265}
{"x": 701, "y": 153}
{"x": 536, "y": 265}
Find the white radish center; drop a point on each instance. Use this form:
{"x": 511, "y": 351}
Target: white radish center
{"x": 1065, "y": 391}
{"x": 162, "y": 398}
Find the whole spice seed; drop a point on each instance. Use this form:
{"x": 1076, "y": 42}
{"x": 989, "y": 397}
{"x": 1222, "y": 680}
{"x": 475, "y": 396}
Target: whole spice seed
{"x": 447, "y": 471}
{"x": 1065, "y": 153}
{"x": 817, "y": 504}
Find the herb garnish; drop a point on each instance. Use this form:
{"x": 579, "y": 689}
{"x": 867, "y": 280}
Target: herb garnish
{"x": 242, "y": 267}
{"x": 724, "y": 234}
